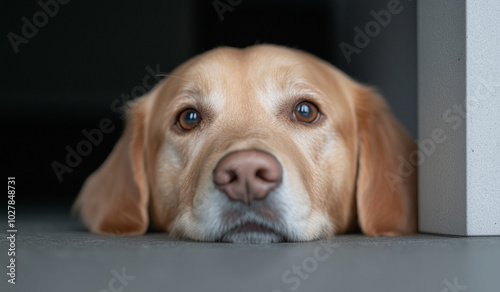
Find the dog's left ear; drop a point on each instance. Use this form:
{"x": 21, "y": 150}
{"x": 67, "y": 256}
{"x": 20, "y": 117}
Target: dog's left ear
{"x": 386, "y": 199}
{"x": 114, "y": 199}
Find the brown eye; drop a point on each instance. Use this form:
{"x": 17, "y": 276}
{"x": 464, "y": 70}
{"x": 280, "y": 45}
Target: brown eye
{"x": 306, "y": 112}
{"x": 188, "y": 119}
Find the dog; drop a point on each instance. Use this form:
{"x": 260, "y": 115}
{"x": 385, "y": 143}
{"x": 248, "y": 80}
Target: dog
{"x": 262, "y": 144}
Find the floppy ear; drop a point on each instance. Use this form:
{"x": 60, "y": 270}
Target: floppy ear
{"x": 386, "y": 190}
{"x": 114, "y": 199}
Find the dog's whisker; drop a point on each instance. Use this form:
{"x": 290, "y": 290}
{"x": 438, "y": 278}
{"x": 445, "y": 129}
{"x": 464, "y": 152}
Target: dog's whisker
{"x": 171, "y": 75}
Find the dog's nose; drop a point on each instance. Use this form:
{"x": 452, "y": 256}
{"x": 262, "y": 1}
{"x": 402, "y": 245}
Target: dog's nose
{"x": 247, "y": 175}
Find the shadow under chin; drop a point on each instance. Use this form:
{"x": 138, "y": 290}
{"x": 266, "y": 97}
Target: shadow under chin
{"x": 252, "y": 237}
{"x": 252, "y": 233}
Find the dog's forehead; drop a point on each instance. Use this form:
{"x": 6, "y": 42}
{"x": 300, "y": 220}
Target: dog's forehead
{"x": 265, "y": 74}
{"x": 251, "y": 65}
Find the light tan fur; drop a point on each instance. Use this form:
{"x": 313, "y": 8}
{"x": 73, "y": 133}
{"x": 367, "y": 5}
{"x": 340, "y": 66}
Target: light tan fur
{"x": 335, "y": 168}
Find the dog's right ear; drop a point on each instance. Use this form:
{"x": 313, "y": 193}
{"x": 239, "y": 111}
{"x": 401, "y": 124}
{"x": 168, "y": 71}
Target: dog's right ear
{"x": 114, "y": 199}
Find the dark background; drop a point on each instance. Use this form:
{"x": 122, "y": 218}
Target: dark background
{"x": 89, "y": 53}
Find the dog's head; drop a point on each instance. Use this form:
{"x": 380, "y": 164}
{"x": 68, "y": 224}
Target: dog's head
{"x": 262, "y": 144}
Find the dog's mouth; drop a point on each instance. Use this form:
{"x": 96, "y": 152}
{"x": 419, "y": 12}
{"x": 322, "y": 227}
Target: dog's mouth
{"x": 252, "y": 232}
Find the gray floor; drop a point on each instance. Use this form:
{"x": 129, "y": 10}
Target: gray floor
{"x": 53, "y": 253}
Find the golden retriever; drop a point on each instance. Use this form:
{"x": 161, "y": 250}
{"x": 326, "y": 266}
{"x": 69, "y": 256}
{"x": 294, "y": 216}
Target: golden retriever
{"x": 262, "y": 144}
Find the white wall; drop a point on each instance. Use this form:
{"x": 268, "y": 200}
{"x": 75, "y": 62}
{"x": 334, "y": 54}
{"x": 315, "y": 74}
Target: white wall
{"x": 483, "y": 116}
{"x": 458, "y": 69}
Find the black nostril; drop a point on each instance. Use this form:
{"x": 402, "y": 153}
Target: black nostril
{"x": 267, "y": 175}
{"x": 225, "y": 177}
{"x": 232, "y": 176}
{"x": 261, "y": 173}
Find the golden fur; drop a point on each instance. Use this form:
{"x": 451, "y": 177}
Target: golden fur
{"x": 160, "y": 176}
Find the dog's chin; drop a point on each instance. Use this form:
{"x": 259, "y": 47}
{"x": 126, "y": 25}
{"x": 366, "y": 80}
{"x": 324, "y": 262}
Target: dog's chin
{"x": 252, "y": 233}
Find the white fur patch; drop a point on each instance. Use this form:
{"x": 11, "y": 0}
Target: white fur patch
{"x": 293, "y": 218}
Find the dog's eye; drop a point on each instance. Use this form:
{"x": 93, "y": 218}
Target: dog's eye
{"x": 189, "y": 119}
{"x": 306, "y": 112}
